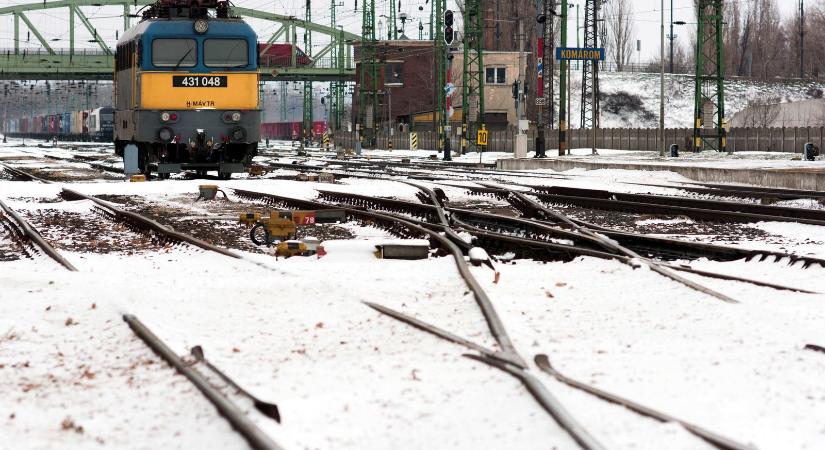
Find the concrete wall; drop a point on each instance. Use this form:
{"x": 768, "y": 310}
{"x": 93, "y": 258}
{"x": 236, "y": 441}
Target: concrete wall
{"x": 805, "y": 113}
{"x": 787, "y": 179}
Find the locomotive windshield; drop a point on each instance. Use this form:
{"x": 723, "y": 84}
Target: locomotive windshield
{"x": 225, "y": 52}
{"x": 174, "y": 52}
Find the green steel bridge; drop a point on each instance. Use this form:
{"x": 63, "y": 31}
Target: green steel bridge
{"x": 334, "y": 62}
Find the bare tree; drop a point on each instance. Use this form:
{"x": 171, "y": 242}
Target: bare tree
{"x": 618, "y": 15}
{"x": 761, "y": 113}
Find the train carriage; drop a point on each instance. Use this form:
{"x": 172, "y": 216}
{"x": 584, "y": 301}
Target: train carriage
{"x": 186, "y": 89}
{"x": 101, "y": 123}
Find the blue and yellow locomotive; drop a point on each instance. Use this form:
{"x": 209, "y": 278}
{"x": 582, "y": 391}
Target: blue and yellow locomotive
{"x": 186, "y": 89}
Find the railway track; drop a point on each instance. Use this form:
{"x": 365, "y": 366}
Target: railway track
{"x": 146, "y": 224}
{"x": 240, "y": 422}
{"x": 508, "y": 363}
{"x": 507, "y": 359}
{"x": 551, "y": 239}
{"x": 765, "y": 195}
{"x": 708, "y": 210}
{"x": 22, "y": 174}
{"x": 26, "y": 236}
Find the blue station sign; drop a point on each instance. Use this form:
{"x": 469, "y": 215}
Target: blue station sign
{"x": 567, "y": 54}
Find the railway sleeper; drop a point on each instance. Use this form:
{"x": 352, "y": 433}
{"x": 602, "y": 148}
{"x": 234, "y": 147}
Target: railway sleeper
{"x": 18, "y": 238}
{"x": 158, "y": 239}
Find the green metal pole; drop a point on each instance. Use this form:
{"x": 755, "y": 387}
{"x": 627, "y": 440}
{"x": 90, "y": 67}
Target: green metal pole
{"x": 308, "y": 106}
{"x": 332, "y": 120}
{"x": 432, "y": 23}
{"x": 700, "y": 73}
{"x": 472, "y": 105}
{"x": 440, "y": 75}
{"x": 563, "y": 85}
{"x": 392, "y": 33}
{"x": 720, "y": 79}
{"x": 368, "y": 86}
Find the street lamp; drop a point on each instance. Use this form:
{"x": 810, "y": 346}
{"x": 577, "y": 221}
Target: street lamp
{"x": 662, "y": 84}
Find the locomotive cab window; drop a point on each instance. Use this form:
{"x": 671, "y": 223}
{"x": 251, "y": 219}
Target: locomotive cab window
{"x": 225, "y": 52}
{"x": 174, "y": 52}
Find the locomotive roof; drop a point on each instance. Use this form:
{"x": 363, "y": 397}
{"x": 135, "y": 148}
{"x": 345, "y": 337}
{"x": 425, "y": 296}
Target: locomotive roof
{"x": 183, "y": 27}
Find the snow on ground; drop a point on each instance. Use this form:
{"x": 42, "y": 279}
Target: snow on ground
{"x": 296, "y": 332}
{"x": 736, "y": 369}
{"x": 679, "y": 97}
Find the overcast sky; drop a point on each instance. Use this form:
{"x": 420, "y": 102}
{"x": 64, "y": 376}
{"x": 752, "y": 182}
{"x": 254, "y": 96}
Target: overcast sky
{"x": 54, "y": 23}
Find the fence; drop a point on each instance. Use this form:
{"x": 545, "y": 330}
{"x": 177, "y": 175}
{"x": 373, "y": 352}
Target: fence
{"x": 642, "y": 139}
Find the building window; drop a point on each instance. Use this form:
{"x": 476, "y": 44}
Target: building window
{"x": 394, "y": 74}
{"x": 495, "y": 75}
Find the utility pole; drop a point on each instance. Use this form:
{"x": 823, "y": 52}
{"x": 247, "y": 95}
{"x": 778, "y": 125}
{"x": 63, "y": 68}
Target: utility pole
{"x": 710, "y": 124}
{"x": 563, "y": 85}
{"x": 590, "y": 68}
{"x": 473, "y": 74}
{"x": 334, "y": 120}
{"x": 662, "y": 85}
{"x": 545, "y": 86}
{"x": 520, "y": 144}
{"x": 801, "y": 38}
{"x": 441, "y": 55}
{"x": 671, "y": 37}
{"x": 392, "y": 26}
{"x": 307, "y": 119}
{"x": 284, "y": 101}
{"x": 368, "y": 86}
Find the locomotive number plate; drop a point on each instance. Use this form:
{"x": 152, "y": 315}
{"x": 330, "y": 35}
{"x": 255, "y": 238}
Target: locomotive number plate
{"x": 199, "y": 81}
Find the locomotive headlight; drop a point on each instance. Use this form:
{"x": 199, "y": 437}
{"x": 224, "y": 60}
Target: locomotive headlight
{"x": 201, "y": 26}
{"x": 166, "y": 134}
{"x": 165, "y": 117}
{"x": 238, "y": 134}
{"x": 236, "y": 117}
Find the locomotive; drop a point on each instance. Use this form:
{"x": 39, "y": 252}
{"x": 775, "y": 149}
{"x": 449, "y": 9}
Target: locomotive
{"x": 186, "y": 89}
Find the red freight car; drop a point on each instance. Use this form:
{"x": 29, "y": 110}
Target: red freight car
{"x": 280, "y": 55}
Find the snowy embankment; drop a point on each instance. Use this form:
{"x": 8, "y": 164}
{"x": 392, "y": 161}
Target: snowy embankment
{"x": 641, "y": 108}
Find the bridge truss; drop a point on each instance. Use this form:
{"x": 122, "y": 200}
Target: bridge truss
{"x": 334, "y": 62}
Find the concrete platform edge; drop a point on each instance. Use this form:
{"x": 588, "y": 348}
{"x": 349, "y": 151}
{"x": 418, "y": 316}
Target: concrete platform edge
{"x": 776, "y": 178}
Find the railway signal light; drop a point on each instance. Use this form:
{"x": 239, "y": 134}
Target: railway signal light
{"x": 449, "y": 33}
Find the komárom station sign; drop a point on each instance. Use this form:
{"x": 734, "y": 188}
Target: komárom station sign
{"x": 595, "y": 54}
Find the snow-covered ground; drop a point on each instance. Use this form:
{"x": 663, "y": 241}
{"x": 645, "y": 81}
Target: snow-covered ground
{"x": 296, "y": 332}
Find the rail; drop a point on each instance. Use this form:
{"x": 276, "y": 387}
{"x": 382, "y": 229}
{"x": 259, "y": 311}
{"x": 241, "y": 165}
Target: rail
{"x": 34, "y": 236}
{"x": 23, "y": 173}
{"x": 255, "y": 436}
{"x": 147, "y": 223}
